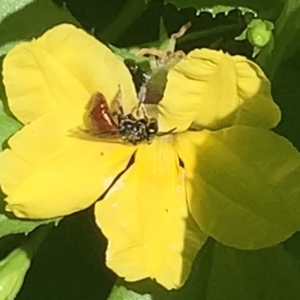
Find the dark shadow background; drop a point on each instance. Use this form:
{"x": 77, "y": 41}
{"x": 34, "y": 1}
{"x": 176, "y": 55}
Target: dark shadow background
{"x": 70, "y": 263}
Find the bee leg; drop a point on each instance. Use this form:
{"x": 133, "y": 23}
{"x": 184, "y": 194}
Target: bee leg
{"x": 142, "y": 94}
{"x": 144, "y": 112}
{"x": 141, "y": 112}
{"x": 166, "y": 132}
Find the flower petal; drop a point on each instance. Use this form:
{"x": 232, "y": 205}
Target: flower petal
{"x": 214, "y": 90}
{"x": 242, "y": 191}
{"x": 145, "y": 218}
{"x": 62, "y": 69}
{"x": 48, "y": 173}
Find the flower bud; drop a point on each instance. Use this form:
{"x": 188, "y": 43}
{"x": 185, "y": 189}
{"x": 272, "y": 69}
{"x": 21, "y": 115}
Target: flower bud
{"x": 14, "y": 266}
{"x": 259, "y": 32}
{"x": 13, "y": 269}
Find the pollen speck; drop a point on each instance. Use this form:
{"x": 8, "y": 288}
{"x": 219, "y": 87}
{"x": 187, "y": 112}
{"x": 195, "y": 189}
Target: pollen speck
{"x": 173, "y": 247}
{"x": 117, "y": 186}
{"x": 115, "y": 205}
{"x": 108, "y": 181}
{"x": 123, "y": 223}
{"x": 180, "y": 189}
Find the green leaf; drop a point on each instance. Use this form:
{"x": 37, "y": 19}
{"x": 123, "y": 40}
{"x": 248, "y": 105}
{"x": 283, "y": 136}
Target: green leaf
{"x": 130, "y": 12}
{"x": 8, "y": 126}
{"x": 286, "y": 38}
{"x": 219, "y": 9}
{"x": 14, "y": 267}
{"x": 225, "y": 6}
{"x": 9, "y": 224}
{"x": 286, "y": 91}
{"x": 122, "y": 293}
{"x": 24, "y": 19}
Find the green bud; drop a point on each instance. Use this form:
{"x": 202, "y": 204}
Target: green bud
{"x": 120, "y": 292}
{"x": 13, "y": 269}
{"x": 259, "y": 32}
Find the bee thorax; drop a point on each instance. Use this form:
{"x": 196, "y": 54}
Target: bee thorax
{"x": 136, "y": 131}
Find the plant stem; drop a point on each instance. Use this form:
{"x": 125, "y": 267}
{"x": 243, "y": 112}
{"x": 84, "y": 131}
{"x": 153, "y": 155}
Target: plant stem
{"x": 133, "y": 9}
{"x": 36, "y": 238}
{"x": 212, "y": 31}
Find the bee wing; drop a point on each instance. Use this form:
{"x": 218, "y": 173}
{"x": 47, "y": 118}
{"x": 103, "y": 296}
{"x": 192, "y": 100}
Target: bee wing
{"x": 116, "y": 106}
{"x": 87, "y": 134}
{"x": 100, "y": 117}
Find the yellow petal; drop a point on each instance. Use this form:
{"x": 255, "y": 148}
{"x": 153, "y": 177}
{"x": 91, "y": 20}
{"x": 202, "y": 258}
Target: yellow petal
{"x": 214, "y": 89}
{"x": 145, "y": 218}
{"x": 60, "y": 70}
{"x": 242, "y": 185}
{"x": 48, "y": 173}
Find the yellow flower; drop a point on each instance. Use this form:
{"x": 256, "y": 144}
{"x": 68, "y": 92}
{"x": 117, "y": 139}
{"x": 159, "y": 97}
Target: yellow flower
{"x": 159, "y": 201}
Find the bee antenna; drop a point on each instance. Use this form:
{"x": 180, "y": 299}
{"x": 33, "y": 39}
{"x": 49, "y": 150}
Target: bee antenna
{"x": 142, "y": 94}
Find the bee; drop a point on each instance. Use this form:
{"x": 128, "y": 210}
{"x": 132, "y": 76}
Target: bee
{"x": 133, "y": 128}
